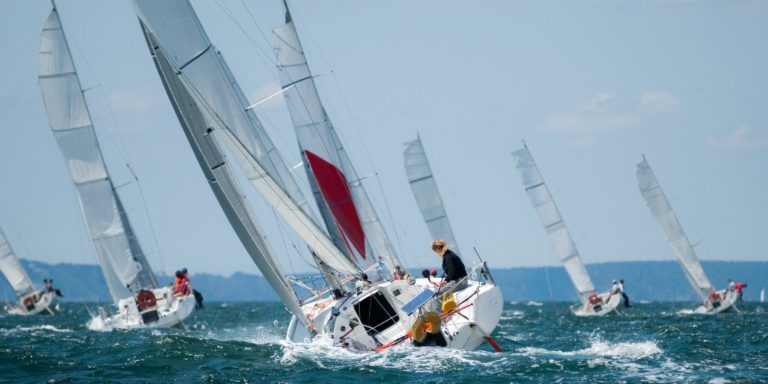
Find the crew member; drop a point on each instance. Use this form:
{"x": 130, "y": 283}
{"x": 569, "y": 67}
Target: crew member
{"x": 453, "y": 268}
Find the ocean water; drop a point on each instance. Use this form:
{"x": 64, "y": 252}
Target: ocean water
{"x": 242, "y": 342}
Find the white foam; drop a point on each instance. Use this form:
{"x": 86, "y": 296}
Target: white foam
{"x": 534, "y": 304}
{"x": 36, "y": 328}
{"x": 601, "y": 348}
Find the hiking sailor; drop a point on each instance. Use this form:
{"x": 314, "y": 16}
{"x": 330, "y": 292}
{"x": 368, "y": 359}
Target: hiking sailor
{"x": 624, "y": 294}
{"x": 453, "y": 268}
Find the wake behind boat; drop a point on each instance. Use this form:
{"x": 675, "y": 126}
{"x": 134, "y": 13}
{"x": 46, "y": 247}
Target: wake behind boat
{"x": 30, "y": 300}
{"x": 140, "y": 301}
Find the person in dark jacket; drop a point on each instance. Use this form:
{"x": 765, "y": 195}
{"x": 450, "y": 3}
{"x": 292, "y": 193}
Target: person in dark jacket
{"x": 453, "y": 268}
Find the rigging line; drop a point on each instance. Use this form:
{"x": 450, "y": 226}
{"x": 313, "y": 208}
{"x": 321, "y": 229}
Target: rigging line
{"x": 149, "y": 218}
{"x": 260, "y": 52}
{"x": 282, "y": 239}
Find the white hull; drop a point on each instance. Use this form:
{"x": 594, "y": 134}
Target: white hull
{"x": 168, "y": 312}
{"x": 37, "y": 302}
{"x": 727, "y": 303}
{"x": 609, "y": 305}
{"x": 478, "y": 311}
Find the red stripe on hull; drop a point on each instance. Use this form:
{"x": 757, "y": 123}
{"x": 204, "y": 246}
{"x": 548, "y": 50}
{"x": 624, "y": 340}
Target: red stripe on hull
{"x": 333, "y": 187}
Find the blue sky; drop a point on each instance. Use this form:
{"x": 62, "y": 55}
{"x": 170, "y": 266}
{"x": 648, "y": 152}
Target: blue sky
{"x": 590, "y": 85}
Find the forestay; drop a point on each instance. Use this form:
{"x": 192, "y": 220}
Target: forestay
{"x": 553, "y": 223}
{"x": 12, "y": 269}
{"x": 662, "y": 211}
{"x": 426, "y": 193}
{"x": 120, "y": 256}
{"x": 198, "y": 125}
{"x": 344, "y": 204}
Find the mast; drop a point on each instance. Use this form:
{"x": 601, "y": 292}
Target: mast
{"x": 343, "y": 202}
{"x": 553, "y": 223}
{"x": 11, "y": 267}
{"x": 426, "y": 193}
{"x": 122, "y": 260}
{"x": 669, "y": 225}
{"x": 199, "y": 125}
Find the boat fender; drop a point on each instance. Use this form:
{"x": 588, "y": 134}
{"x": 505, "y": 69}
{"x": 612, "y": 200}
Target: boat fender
{"x": 449, "y": 302}
{"x": 145, "y": 299}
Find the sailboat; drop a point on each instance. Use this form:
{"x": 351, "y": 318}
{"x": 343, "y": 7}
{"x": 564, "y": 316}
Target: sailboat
{"x": 591, "y": 302}
{"x": 31, "y": 300}
{"x": 712, "y": 301}
{"x": 140, "y": 301}
{"x": 352, "y": 311}
{"x": 425, "y": 191}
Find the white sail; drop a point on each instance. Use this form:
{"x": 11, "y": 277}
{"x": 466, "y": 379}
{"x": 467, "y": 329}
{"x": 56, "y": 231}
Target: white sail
{"x": 198, "y": 125}
{"x": 11, "y": 267}
{"x": 114, "y": 242}
{"x": 177, "y": 29}
{"x": 762, "y": 295}
{"x": 661, "y": 210}
{"x": 426, "y": 193}
{"x": 553, "y": 223}
{"x": 344, "y": 204}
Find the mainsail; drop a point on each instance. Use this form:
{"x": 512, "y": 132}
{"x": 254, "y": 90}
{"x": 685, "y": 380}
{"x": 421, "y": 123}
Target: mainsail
{"x": 124, "y": 264}
{"x": 426, "y": 193}
{"x": 12, "y": 269}
{"x": 199, "y": 124}
{"x": 344, "y": 204}
{"x": 661, "y": 210}
{"x": 553, "y": 223}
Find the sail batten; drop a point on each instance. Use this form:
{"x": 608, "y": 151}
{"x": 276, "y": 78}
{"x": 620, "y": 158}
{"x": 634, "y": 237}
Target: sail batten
{"x": 667, "y": 221}
{"x": 11, "y": 267}
{"x": 424, "y": 188}
{"x": 553, "y": 223}
{"x": 121, "y": 258}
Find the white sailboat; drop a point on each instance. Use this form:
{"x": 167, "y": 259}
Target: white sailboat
{"x": 712, "y": 301}
{"x": 140, "y": 301}
{"x": 31, "y": 300}
{"x": 592, "y": 302}
{"x": 762, "y": 295}
{"x": 425, "y": 191}
{"x": 366, "y": 317}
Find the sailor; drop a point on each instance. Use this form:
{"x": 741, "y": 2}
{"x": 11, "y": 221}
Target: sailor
{"x": 453, "y": 268}
{"x": 48, "y": 285}
{"x": 400, "y": 274}
{"x": 738, "y": 286}
{"x": 363, "y": 281}
{"x": 615, "y": 289}
{"x": 624, "y": 294}
{"x": 731, "y": 285}
{"x": 181, "y": 284}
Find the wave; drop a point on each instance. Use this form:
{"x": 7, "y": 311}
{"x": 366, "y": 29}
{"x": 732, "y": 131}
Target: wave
{"x": 601, "y": 348}
{"x": 36, "y": 328}
{"x": 534, "y": 303}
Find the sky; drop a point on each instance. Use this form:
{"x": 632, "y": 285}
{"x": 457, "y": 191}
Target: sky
{"x": 589, "y": 85}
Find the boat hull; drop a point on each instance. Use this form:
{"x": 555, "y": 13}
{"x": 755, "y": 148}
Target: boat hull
{"x": 45, "y": 304}
{"x": 609, "y": 305}
{"x": 346, "y": 323}
{"x": 169, "y": 311}
{"x": 728, "y": 303}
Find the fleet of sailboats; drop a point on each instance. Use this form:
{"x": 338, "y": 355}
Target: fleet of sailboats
{"x": 361, "y": 305}
{"x": 713, "y": 301}
{"x": 140, "y": 300}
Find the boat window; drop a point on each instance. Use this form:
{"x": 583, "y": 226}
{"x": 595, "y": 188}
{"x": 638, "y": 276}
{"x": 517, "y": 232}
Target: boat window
{"x": 375, "y": 312}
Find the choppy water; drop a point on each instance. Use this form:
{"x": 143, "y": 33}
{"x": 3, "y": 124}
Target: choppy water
{"x": 240, "y": 342}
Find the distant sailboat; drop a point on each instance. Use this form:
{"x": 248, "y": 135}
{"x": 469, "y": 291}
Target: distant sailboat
{"x": 762, "y": 295}
{"x": 425, "y": 191}
{"x": 370, "y": 315}
{"x": 140, "y": 301}
{"x": 31, "y": 300}
{"x": 712, "y": 301}
{"x": 592, "y": 303}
